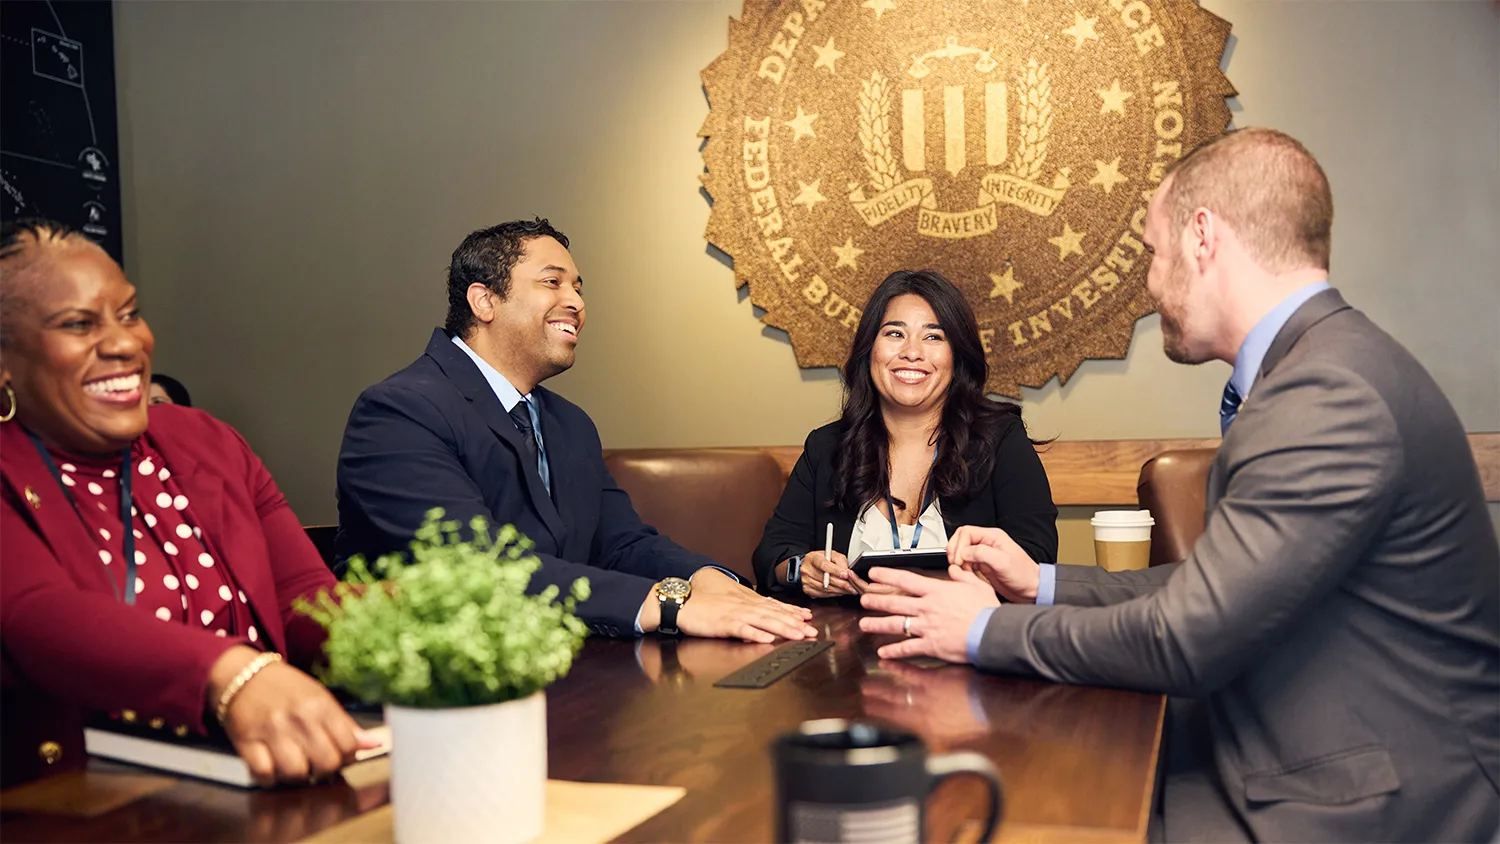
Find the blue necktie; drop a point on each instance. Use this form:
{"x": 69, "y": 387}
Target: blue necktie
{"x": 521, "y": 415}
{"x": 1229, "y": 406}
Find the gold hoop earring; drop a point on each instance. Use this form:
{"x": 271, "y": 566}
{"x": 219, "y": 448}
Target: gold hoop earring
{"x": 10, "y": 414}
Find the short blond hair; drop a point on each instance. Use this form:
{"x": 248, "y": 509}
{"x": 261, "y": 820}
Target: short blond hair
{"x": 1267, "y": 187}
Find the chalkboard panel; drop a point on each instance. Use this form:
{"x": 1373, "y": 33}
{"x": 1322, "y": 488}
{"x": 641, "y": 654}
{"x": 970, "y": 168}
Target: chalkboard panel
{"x": 59, "y": 154}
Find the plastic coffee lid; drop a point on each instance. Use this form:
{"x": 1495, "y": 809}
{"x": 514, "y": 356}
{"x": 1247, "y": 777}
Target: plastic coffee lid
{"x": 1123, "y": 517}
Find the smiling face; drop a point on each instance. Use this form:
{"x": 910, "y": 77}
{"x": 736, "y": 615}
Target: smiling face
{"x": 911, "y": 362}
{"x": 1179, "y": 293}
{"x": 535, "y": 328}
{"x": 77, "y": 352}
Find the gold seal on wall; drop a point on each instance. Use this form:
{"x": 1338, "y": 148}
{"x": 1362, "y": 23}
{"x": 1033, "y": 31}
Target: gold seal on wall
{"x": 1011, "y": 145}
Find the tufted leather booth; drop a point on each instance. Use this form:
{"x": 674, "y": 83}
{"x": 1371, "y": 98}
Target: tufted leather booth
{"x": 1174, "y": 486}
{"x": 714, "y": 501}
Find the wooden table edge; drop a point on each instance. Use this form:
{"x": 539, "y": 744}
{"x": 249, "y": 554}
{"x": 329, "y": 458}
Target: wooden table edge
{"x": 1028, "y": 833}
{"x": 1145, "y": 821}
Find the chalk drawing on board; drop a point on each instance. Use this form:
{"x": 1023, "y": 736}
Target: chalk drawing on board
{"x": 94, "y": 165}
{"x": 15, "y": 201}
{"x": 93, "y": 216}
{"x": 58, "y": 155}
{"x": 57, "y": 58}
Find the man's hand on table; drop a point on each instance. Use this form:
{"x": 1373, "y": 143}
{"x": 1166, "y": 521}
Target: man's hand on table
{"x": 995, "y": 557}
{"x": 941, "y": 612}
{"x": 720, "y": 608}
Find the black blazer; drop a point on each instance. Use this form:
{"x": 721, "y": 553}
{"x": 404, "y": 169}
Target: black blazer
{"x": 435, "y": 435}
{"x": 1016, "y": 498}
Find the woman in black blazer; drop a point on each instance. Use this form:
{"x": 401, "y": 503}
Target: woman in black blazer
{"x": 917, "y": 438}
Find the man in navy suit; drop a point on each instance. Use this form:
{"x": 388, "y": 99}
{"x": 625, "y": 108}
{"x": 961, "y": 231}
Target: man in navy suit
{"x": 468, "y": 428}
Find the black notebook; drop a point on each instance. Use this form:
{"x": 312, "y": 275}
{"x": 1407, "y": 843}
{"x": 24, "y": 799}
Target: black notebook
{"x": 932, "y": 559}
{"x": 210, "y": 757}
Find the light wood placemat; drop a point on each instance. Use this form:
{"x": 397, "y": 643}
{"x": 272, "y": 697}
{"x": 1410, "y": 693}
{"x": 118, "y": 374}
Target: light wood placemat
{"x": 577, "y": 813}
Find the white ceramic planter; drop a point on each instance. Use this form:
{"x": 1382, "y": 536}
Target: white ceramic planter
{"x": 475, "y": 774}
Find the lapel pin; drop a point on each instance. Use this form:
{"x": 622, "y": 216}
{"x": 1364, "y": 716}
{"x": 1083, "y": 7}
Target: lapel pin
{"x": 33, "y": 499}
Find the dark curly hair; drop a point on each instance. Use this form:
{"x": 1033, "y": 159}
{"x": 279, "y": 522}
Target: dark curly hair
{"x": 487, "y": 257}
{"x": 17, "y": 237}
{"x": 40, "y": 230}
{"x": 176, "y": 391}
{"x": 968, "y": 434}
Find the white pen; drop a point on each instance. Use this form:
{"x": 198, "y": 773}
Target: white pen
{"x": 827, "y": 552}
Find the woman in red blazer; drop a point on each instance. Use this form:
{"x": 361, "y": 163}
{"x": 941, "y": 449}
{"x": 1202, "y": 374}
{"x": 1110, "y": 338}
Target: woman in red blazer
{"x": 146, "y": 572}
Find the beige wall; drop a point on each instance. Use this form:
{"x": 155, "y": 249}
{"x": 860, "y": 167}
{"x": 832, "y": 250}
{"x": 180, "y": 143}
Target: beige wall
{"x": 296, "y": 175}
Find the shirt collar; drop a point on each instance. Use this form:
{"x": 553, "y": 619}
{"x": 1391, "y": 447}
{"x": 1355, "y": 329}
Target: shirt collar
{"x": 508, "y": 395}
{"x": 1258, "y": 341}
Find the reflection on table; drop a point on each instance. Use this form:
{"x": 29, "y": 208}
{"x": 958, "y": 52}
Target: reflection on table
{"x": 1078, "y": 763}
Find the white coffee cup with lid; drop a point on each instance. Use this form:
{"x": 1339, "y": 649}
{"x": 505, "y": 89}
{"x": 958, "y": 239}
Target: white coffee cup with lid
{"x": 1122, "y": 539}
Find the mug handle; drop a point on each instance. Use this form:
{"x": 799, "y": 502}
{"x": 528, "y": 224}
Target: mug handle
{"x": 969, "y": 762}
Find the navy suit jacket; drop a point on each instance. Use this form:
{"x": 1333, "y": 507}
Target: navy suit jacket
{"x": 435, "y": 435}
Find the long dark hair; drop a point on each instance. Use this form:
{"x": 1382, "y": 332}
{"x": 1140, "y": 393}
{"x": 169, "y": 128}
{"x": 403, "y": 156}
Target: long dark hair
{"x": 968, "y": 433}
{"x": 176, "y": 391}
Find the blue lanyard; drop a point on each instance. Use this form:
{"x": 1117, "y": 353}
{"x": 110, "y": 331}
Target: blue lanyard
{"x": 916, "y": 535}
{"x": 890, "y": 504}
{"x": 125, "y": 520}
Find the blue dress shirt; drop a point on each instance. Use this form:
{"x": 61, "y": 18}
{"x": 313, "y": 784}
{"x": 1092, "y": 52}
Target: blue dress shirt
{"x": 1246, "y": 366}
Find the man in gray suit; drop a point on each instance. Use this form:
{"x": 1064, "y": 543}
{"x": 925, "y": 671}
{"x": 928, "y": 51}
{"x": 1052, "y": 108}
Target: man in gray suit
{"x": 1337, "y": 626}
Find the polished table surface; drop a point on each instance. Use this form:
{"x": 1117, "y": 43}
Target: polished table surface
{"x": 1077, "y": 763}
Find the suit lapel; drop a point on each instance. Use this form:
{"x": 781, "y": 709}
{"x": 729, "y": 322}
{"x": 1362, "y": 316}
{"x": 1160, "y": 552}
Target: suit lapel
{"x": 203, "y": 484}
{"x": 43, "y": 503}
{"x": 1312, "y": 312}
{"x": 562, "y": 459}
{"x": 470, "y": 381}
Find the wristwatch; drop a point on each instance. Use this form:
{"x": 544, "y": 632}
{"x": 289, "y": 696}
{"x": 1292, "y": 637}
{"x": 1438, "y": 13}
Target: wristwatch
{"x": 672, "y": 672}
{"x": 794, "y": 570}
{"x": 672, "y": 593}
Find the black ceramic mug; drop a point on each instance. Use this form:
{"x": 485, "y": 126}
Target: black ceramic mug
{"x": 854, "y": 781}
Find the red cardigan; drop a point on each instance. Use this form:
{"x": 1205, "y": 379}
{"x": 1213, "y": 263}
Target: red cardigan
{"x": 70, "y": 647}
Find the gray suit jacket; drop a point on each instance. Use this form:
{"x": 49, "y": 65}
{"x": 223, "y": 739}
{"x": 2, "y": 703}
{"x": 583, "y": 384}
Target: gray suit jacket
{"x": 1339, "y": 620}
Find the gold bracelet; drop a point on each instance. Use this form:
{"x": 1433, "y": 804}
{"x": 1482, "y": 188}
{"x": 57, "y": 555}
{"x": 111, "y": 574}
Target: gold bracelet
{"x": 250, "y": 670}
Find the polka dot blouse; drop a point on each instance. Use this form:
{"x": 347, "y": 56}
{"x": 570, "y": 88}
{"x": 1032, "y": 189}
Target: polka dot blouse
{"x": 178, "y": 577}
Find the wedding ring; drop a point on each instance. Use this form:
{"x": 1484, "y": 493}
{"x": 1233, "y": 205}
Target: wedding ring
{"x": 906, "y": 626}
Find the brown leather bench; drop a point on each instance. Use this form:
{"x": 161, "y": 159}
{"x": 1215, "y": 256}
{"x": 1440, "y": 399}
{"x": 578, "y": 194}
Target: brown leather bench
{"x": 1174, "y": 487}
{"x": 714, "y": 501}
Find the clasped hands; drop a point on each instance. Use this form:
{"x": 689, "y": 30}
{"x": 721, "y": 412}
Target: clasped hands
{"x": 985, "y": 564}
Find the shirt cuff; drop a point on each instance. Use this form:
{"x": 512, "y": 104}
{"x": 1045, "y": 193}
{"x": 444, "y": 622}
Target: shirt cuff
{"x": 1046, "y": 585}
{"x": 976, "y": 704}
{"x": 976, "y": 634}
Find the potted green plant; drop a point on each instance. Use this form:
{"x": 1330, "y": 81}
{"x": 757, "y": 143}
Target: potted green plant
{"x": 459, "y": 655}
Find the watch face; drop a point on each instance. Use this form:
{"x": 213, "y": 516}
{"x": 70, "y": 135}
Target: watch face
{"x": 674, "y": 588}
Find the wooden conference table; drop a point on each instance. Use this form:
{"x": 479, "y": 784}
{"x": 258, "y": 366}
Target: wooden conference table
{"x": 1078, "y": 763}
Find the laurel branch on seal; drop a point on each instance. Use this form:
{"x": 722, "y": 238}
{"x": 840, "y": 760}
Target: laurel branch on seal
{"x": 875, "y": 131}
{"x": 1036, "y": 122}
